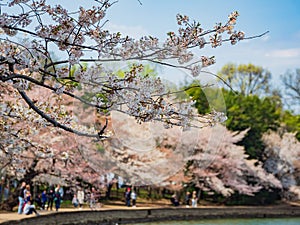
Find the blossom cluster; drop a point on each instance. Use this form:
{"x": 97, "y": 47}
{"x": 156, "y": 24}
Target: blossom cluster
{"x": 82, "y": 38}
{"x": 74, "y": 35}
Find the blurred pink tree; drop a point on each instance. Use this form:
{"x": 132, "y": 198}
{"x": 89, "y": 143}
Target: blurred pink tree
{"x": 282, "y": 157}
{"x": 219, "y": 165}
{"x": 208, "y": 157}
{"x": 45, "y": 154}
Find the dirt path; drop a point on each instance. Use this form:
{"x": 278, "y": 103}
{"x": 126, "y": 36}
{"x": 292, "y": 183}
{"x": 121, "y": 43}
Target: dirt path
{"x": 7, "y": 216}
{"x": 12, "y": 216}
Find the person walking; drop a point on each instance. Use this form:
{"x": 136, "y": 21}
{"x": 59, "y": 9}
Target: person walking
{"x": 194, "y": 199}
{"x": 60, "y": 190}
{"x": 6, "y": 192}
{"x": 93, "y": 199}
{"x": 50, "y": 196}
{"x": 44, "y": 199}
{"x": 127, "y": 196}
{"x": 80, "y": 196}
{"x": 21, "y": 197}
{"x": 133, "y": 198}
{"x": 187, "y": 199}
{"x": 2, "y": 183}
{"x": 57, "y": 199}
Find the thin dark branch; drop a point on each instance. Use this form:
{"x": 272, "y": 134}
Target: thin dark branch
{"x": 5, "y": 165}
{"x": 185, "y": 89}
{"x": 215, "y": 75}
{"x": 50, "y": 88}
{"x": 256, "y": 36}
{"x": 202, "y": 71}
{"x": 49, "y": 39}
{"x": 56, "y": 123}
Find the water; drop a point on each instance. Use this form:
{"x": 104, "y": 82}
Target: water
{"x": 274, "y": 221}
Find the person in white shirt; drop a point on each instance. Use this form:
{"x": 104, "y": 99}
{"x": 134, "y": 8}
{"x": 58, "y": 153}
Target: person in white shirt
{"x": 29, "y": 209}
{"x": 133, "y": 198}
{"x": 80, "y": 197}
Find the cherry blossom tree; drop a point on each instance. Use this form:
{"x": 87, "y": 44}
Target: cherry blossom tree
{"x": 143, "y": 154}
{"x": 29, "y": 152}
{"x": 66, "y": 55}
{"x": 282, "y": 154}
{"x": 31, "y": 30}
{"x": 207, "y": 157}
{"x": 222, "y": 166}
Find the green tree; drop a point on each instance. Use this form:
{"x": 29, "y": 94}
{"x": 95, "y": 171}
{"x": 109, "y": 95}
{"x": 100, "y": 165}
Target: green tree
{"x": 246, "y": 79}
{"x": 291, "y": 81}
{"x": 291, "y": 123}
{"x": 243, "y": 112}
{"x": 251, "y": 112}
{"x": 207, "y": 98}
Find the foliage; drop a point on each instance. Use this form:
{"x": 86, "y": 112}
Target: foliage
{"x": 291, "y": 81}
{"x": 291, "y": 123}
{"x": 259, "y": 115}
{"x": 246, "y": 79}
{"x": 206, "y": 98}
{"x": 243, "y": 112}
{"x": 263, "y": 197}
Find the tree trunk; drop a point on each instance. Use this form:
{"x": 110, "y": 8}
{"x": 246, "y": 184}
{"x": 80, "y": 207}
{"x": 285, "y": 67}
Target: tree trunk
{"x": 11, "y": 202}
{"x": 13, "y": 199}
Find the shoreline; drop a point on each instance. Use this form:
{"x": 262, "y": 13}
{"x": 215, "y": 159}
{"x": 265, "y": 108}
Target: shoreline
{"x": 125, "y": 215}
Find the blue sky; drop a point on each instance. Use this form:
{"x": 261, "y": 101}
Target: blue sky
{"x": 278, "y": 51}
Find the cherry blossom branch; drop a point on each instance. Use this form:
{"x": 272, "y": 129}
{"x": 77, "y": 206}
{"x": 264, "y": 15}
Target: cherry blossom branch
{"x": 73, "y": 33}
{"x": 5, "y": 165}
{"x": 48, "y": 38}
{"x": 55, "y": 123}
{"x": 32, "y": 80}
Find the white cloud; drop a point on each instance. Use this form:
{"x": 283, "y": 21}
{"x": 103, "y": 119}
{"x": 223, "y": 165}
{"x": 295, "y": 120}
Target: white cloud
{"x": 132, "y": 31}
{"x": 284, "y": 53}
